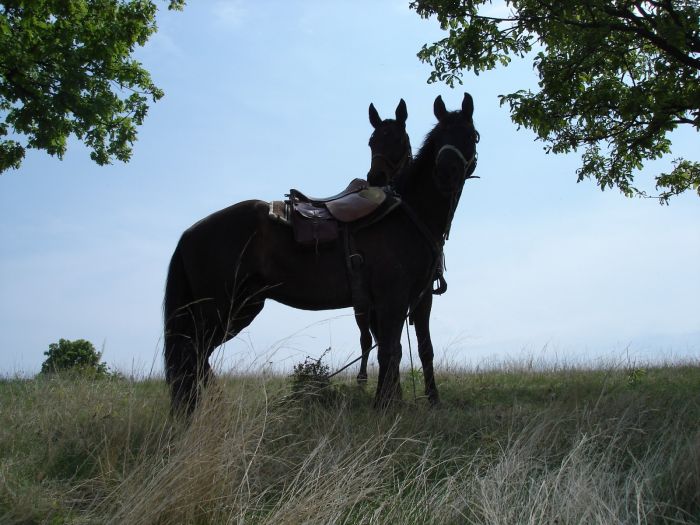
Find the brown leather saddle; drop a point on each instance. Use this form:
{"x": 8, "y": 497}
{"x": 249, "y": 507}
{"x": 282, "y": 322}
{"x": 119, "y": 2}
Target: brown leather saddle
{"x": 316, "y": 220}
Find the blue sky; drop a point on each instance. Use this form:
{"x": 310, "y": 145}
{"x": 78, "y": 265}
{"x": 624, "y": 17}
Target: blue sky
{"x": 262, "y": 96}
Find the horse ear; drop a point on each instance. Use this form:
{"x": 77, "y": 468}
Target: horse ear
{"x": 439, "y": 108}
{"x": 374, "y": 117}
{"x": 467, "y": 106}
{"x": 401, "y": 112}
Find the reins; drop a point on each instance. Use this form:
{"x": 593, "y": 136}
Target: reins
{"x": 435, "y": 248}
{"x": 350, "y": 363}
{"x": 437, "y": 245}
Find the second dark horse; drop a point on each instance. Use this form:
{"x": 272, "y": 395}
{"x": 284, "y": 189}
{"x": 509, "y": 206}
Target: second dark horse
{"x": 226, "y": 265}
{"x": 391, "y": 153}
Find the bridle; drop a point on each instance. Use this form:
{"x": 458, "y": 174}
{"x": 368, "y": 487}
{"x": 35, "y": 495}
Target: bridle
{"x": 469, "y": 165}
{"x": 436, "y": 245}
{"x": 395, "y": 167}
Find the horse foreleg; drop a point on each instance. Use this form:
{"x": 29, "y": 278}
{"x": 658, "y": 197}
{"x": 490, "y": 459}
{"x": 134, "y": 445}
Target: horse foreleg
{"x": 389, "y": 325}
{"x": 362, "y": 319}
{"x": 421, "y": 322}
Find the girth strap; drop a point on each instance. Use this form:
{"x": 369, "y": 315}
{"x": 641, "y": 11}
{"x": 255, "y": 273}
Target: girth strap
{"x": 354, "y": 262}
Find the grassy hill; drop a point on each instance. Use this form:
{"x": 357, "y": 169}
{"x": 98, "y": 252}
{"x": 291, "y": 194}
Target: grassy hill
{"x": 508, "y": 445}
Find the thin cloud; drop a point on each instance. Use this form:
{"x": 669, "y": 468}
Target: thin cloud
{"x": 229, "y": 14}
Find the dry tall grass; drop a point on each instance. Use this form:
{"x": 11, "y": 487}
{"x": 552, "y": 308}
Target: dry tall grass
{"x": 510, "y": 447}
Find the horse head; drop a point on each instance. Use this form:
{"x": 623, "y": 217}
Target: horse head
{"x": 454, "y": 143}
{"x": 390, "y": 146}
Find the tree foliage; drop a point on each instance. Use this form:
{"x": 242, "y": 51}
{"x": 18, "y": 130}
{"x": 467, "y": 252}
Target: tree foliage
{"x": 66, "y": 68}
{"x": 615, "y": 77}
{"x": 79, "y": 356}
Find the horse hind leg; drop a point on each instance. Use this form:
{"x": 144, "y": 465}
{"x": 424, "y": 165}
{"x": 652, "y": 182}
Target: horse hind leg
{"x": 245, "y": 306}
{"x": 180, "y": 352}
{"x": 191, "y": 340}
{"x": 193, "y": 329}
{"x": 187, "y": 370}
{"x": 362, "y": 319}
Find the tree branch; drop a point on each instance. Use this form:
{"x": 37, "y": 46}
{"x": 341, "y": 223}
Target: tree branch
{"x": 643, "y": 31}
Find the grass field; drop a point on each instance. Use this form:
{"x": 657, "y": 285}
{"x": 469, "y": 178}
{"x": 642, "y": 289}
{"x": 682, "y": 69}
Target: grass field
{"x": 511, "y": 444}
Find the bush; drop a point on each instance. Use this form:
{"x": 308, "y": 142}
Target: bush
{"x": 78, "y": 356}
{"x": 311, "y": 381}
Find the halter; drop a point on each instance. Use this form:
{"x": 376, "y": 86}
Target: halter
{"x": 456, "y": 193}
{"x": 396, "y": 167}
{"x": 466, "y": 163}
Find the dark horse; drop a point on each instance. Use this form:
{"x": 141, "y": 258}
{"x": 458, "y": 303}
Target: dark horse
{"x": 391, "y": 153}
{"x": 226, "y": 265}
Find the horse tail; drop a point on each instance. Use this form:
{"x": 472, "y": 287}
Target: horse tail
{"x": 180, "y": 361}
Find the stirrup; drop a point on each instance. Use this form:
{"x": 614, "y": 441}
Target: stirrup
{"x": 441, "y": 287}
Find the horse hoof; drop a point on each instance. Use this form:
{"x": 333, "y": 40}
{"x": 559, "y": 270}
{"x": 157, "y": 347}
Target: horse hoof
{"x": 388, "y": 400}
{"x": 361, "y": 379}
{"x": 433, "y": 400}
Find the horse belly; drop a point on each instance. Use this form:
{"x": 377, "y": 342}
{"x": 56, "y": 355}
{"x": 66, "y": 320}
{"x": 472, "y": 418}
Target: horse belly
{"x": 305, "y": 277}
{"x": 308, "y": 280}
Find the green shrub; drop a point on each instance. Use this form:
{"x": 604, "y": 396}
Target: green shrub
{"x": 77, "y": 356}
{"x": 311, "y": 380}
{"x": 634, "y": 376}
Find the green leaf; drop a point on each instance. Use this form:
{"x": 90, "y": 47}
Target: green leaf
{"x": 615, "y": 78}
{"x": 66, "y": 68}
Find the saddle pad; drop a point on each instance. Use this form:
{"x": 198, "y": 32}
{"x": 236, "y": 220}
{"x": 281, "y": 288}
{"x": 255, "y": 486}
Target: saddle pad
{"x": 356, "y": 205}
{"x": 279, "y": 211}
{"x": 374, "y": 194}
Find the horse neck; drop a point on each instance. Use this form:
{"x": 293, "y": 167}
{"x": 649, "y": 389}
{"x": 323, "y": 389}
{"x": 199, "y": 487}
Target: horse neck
{"x": 420, "y": 193}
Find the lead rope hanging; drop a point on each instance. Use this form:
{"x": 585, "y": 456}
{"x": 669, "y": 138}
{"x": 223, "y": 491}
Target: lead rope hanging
{"x": 410, "y": 355}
